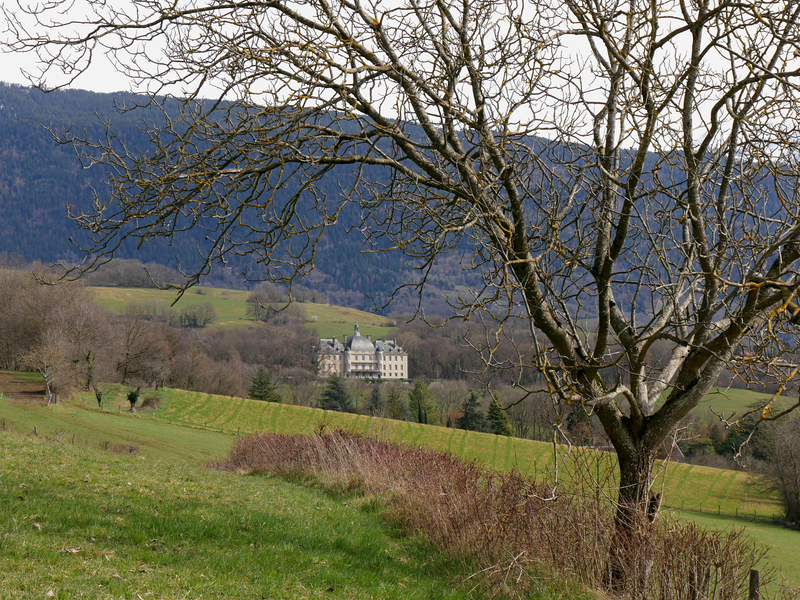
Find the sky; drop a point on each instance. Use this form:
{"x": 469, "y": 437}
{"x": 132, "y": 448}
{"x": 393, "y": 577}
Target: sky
{"x": 101, "y": 77}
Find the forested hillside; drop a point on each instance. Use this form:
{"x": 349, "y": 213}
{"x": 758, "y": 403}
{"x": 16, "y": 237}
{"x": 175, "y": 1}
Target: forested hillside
{"x": 39, "y": 179}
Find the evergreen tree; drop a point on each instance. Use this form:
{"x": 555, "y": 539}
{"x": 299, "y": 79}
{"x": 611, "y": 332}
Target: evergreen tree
{"x": 395, "y": 406}
{"x": 497, "y": 419}
{"x": 261, "y": 387}
{"x": 133, "y": 397}
{"x": 376, "y": 400}
{"x": 336, "y": 397}
{"x": 473, "y": 418}
{"x": 420, "y": 404}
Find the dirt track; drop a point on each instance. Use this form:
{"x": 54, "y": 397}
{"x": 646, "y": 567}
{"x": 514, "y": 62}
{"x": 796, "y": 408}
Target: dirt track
{"x": 20, "y": 387}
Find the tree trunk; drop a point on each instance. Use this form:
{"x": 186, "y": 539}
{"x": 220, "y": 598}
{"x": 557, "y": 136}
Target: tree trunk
{"x": 631, "y": 554}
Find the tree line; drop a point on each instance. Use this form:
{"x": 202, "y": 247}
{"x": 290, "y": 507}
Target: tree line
{"x": 62, "y": 332}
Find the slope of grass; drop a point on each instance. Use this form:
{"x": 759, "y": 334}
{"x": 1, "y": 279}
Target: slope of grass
{"x": 75, "y": 523}
{"x": 190, "y": 426}
{"x": 83, "y": 425}
{"x": 783, "y": 544}
{"x": 195, "y": 427}
{"x": 230, "y": 305}
{"x": 231, "y": 309}
{"x": 688, "y": 487}
{"x": 731, "y": 401}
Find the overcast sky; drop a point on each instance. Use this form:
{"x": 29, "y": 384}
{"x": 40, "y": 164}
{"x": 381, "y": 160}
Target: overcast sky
{"x": 102, "y": 77}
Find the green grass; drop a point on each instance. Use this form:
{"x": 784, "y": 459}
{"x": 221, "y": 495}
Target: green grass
{"x": 687, "y": 487}
{"x": 230, "y": 305}
{"x": 82, "y": 426}
{"x": 231, "y": 308}
{"x": 75, "y": 523}
{"x": 194, "y": 427}
{"x": 783, "y": 544}
{"x": 737, "y": 402}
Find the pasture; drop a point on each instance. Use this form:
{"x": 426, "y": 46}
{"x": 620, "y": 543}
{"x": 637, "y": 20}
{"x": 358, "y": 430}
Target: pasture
{"x": 76, "y": 523}
{"x": 191, "y": 427}
{"x": 231, "y": 307}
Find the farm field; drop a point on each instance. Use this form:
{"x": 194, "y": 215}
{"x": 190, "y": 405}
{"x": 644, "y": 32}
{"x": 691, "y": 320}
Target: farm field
{"x": 231, "y": 308}
{"x": 195, "y": 428}
{"x": 78, "y": 523}
{"x": 688, "y": 487}
{"x": 732, "y": 401}
{"x": 783, "y": 544}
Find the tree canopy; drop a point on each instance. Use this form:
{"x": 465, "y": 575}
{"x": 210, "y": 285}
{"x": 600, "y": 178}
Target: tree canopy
{"x": 336, "y": 397}
{"x": 472, "y": 417}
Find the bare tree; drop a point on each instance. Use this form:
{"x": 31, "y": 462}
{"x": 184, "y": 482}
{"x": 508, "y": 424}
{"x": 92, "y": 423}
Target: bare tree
{"x": 626, "y": 171}
{"x": 782, "y": 467}
{"x": 50, "y": 358}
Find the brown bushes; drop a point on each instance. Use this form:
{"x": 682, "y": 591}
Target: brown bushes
{"x": 514, "y": 528}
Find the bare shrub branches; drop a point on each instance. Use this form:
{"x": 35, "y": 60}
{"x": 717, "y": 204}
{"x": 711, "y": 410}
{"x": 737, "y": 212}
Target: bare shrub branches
{"x": 502, "y": 520}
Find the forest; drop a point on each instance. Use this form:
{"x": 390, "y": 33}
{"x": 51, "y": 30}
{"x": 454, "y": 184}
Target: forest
{"x": 41, "y": 181}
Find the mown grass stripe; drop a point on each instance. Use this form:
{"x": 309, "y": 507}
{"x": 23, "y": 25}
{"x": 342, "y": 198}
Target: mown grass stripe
{"x": 507, "y": 456}
{"x": 234, "y": 415}
{"x": 493, "y": 460}
{"x": 462, "y": 444}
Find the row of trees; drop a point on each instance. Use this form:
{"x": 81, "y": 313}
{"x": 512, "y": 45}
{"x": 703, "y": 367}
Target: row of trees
{"x": 417, "y": 405}
{"x": 61, "y": 332}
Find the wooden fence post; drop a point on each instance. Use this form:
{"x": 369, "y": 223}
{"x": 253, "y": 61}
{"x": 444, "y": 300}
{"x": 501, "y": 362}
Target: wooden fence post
{"x": 755, "y": 585}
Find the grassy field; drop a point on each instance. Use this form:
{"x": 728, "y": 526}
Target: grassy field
{"x": 193, "y": 427}
{"x": 75, "y": 523}
{"x": 738, "y": 402}
{"x": 231, "y": 308}
{"x": 783, "y": 543}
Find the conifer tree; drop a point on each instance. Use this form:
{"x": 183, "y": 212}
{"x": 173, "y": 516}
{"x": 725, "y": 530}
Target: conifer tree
{"x": 261, "y": 387}
{"x": 376, "y": 400}
{"x": 420, "y": 404}
{"x": 336, "y": 397}
{"x": 473, "y": 418}
{"x": 497, "y": 419}
{"x": 395, "y": 406}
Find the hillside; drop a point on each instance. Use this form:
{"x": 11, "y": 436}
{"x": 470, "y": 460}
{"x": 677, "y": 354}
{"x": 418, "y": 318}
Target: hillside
{"x": 39, "y": 179}
{"x": 231, "y": 308}
{"x": 78, "y": 523}
{"x": 199, "y": 427}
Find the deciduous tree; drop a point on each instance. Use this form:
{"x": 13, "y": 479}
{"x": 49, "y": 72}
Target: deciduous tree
{"x": 626, "y": 171}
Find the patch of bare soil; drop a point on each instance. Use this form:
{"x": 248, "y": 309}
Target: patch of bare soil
{"x": 18, "y": 387}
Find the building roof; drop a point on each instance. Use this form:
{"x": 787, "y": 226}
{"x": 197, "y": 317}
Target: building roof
{"x": 330, "y": 345}
{"x": 388, "y": 347}
{"x": 358, "y": 343}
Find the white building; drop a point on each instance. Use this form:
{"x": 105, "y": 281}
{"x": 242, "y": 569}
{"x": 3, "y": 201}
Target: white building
{"x": 359, "y": 358}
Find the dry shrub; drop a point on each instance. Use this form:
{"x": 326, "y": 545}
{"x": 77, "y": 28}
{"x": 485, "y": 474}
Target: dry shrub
{"x": 513, "y": 526}
{"x": 125, "y": 449}
{"x": 151, "y": 402}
